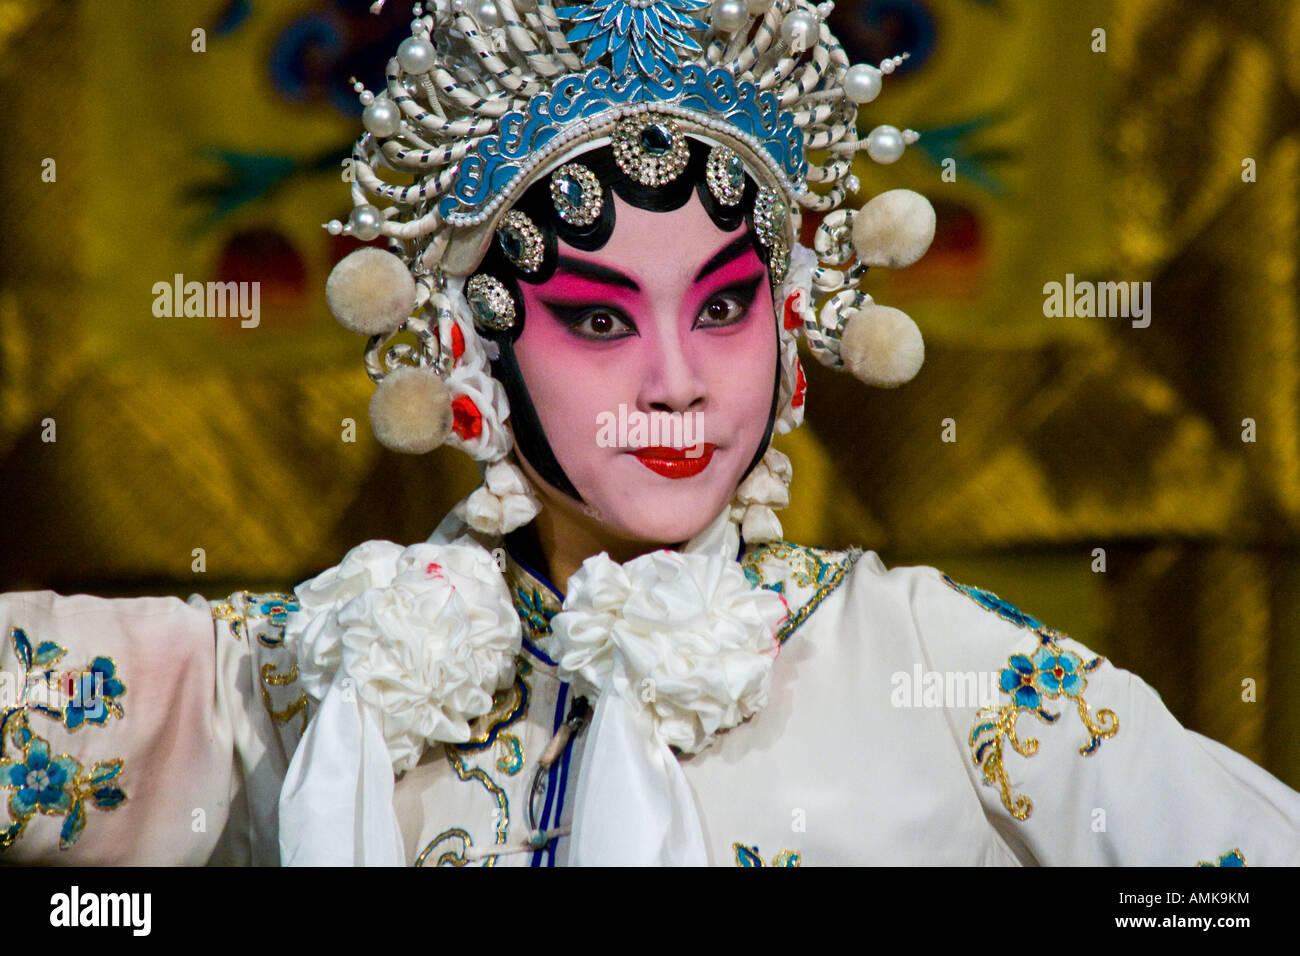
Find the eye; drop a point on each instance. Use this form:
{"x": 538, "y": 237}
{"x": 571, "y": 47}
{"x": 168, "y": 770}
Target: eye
{"x": 599, "y": 325}
{"x": 722, "y": 310}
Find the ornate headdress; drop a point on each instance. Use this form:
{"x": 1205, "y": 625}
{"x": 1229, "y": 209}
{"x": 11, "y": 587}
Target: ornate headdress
{"x": 487, "y": 98}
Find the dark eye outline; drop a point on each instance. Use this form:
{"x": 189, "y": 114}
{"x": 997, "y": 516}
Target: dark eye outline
{"x": 741, "y": 293}
{"x": 572, "y": 317}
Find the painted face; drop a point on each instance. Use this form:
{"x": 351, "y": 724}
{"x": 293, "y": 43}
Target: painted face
{"x": 651, "y": 363}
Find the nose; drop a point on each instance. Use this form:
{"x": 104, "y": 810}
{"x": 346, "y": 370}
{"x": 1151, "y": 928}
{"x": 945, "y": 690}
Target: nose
{"x": 672, "y": 381}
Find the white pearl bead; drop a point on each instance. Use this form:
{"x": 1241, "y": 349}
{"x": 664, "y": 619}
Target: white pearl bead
{"x": 729, "y": 15}
{"x": 382, "y": 117}
{"x": 757, "y": 8}
{"x": 885, "y": 144}
{"x": 365, "y": 222}
{"x": 487, "y": 14}
{"x": 366, "y": 97}
{"x": 415, "y": 55}
{"x": 799, "y": 29}
{"x": 334, "y": 227}
{"x": 862, "y": 83}
{"x": 458, "y": 5}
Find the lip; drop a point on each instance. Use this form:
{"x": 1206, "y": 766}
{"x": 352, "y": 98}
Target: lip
{"x": 674, "y": 462}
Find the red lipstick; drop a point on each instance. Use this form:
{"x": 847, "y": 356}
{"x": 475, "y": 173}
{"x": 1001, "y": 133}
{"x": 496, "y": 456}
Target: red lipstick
{"x": 675, "y": 462}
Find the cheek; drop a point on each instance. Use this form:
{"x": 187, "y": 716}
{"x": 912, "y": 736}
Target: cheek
{"x": 743, "y": 368}
{"x": 564, "y": 378}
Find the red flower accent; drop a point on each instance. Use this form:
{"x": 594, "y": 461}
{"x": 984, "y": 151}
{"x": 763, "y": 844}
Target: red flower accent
{"x": 800, "y": 386}
{"x": 457, "y": 343}
{"x": 467, "y": 420}
{"x": 433, "y": 569}
{"x": 792, "y": 319}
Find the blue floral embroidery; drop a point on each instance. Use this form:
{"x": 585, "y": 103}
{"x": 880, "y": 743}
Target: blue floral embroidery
{"x": 1003, "y": 609}
{"x": 1231, "y": 858}
{"x": 534, "y": 612}
{"x": 643, "y": 33}
{"x": 749, "y": 856}
{"x": 96, "y": 697}
{"x": 96, "y": 689}
{"x": 1050, "y": 673}
{"x": 278, "y": 610}
{"x": 55, "y": 786}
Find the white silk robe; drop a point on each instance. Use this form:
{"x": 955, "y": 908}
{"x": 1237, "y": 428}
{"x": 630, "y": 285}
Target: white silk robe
{"x": 911, "y": 720}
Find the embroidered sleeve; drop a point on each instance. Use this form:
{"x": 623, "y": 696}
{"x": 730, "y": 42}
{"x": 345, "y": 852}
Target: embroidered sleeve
{"x": 145, "y": 731}
{"x": 1106, "y": 775}
{"x": 111, "y": 748}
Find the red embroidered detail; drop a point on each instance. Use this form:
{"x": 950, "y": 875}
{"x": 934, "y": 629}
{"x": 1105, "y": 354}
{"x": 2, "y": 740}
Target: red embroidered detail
{"x": 792, "y": 319}
{"x": 800, "y": 387}
{"x": 433, "y": 569}
{"x": 457, "y": 343}
{"x": 467, "y": 420}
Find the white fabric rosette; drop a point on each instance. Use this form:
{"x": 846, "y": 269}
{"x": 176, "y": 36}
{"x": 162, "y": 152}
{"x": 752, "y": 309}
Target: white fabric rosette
{"x": 765, "y": 490}
{"x": 505, "y": 501}
{"x": 679, "y": 647}
{"x": 402, "y": 647}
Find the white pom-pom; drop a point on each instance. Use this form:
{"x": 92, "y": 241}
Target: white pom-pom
{"x": 410, "y": 411}
{"x": 882, "y": 346}
{"x": 371, "y": 292}
{"x": 894, "y": 229}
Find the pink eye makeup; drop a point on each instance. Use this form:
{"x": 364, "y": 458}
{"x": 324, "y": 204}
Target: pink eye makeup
{"x": 595, "y": 323}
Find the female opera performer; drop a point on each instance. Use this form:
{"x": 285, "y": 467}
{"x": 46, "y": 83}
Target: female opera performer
{"x": 591, "y": 280}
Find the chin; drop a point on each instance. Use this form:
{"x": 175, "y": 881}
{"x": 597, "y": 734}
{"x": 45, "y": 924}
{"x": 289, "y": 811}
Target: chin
{"x": 666, "y": 512}
{"x": 669, "y": 526}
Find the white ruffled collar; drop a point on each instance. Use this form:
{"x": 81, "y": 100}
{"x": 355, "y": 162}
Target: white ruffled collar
{"x": 404, "y": 647}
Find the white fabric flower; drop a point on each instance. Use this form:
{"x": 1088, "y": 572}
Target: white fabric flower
{"x": 766, "y": 489}
{"x": 426, "y": 634}
{"x": 471, "y": 378}
{"x": 505, "y": 501}
{"x": 684, "y": 636}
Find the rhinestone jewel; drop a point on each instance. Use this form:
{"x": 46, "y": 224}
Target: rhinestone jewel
{"x": 656, "y": 139}
{"x": 521, "y": 241}
{"x": 650, "y": 149}
{"x": 770, "y": 218}
{"x": 725, "y": 175}
{"x": 490, "y": 303}
{"x": 577, "y": 194}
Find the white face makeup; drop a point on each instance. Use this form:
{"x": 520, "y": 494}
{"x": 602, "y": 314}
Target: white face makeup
{"x": 670, "y": 328}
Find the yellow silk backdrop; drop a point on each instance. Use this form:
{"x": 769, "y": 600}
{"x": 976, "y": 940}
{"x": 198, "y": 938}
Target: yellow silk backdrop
{"x": 1072, "y": 434}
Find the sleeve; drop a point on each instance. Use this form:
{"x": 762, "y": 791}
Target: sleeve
{"x": 144, "y": 731}
{"x": 1078, "y": 762}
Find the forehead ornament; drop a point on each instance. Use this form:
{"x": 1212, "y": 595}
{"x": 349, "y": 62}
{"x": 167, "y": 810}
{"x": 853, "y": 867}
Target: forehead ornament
{"x": 491, "y": 304}
{"x": 650, "y": 149}
{"x": 521, "y": 241}
{"x": 725, "y": 175}
{"x": 577, "y": 194}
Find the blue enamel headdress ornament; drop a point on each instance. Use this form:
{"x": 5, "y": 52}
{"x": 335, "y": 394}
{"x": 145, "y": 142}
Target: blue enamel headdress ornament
{"x": 488, "y": 97}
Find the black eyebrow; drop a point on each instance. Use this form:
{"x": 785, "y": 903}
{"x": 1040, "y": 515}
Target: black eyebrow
{"x": 589, "y": 270}
{"x": 730, "y": 253}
